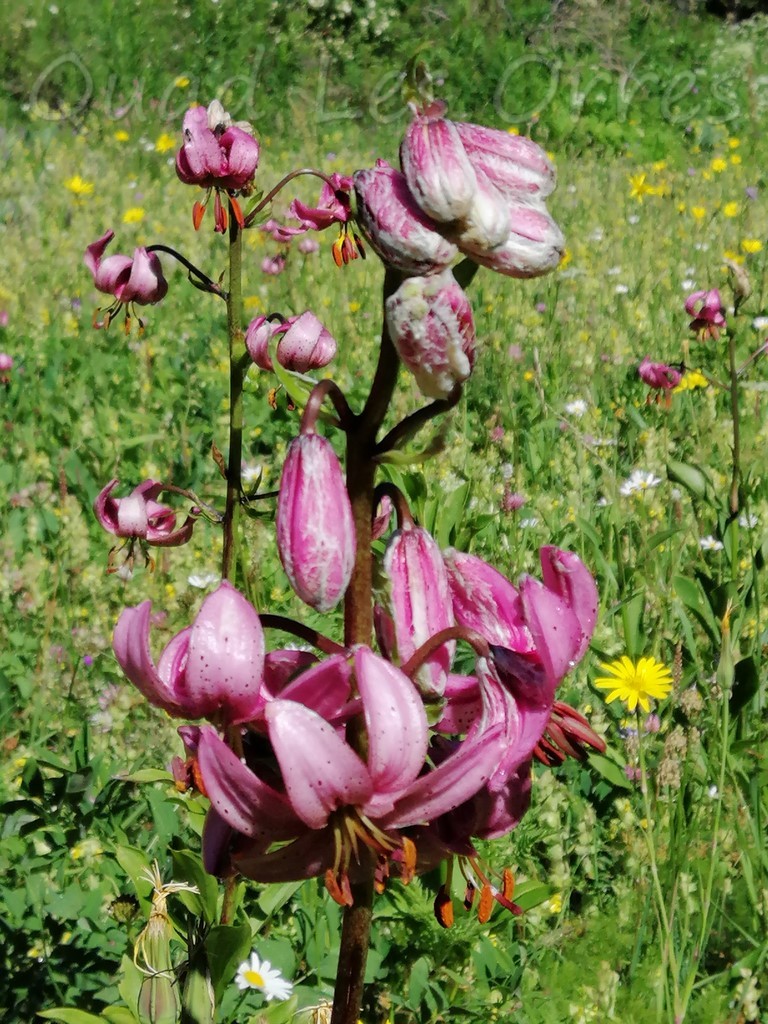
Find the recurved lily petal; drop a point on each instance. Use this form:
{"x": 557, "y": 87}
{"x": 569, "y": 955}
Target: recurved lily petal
{"x": 320, "y": 770}
{"x": 554, "y": 627}
{"x": 565, "y": 574}
{"x": 485, "y": 600}
{"x": 396, "y": 726}
{"x": 308, "y": 856}
{"x": 241, "y": 799}
{"x": 326, "y": 687}
{"x": 200, "y": 156}
{"x": 130, "y": 643}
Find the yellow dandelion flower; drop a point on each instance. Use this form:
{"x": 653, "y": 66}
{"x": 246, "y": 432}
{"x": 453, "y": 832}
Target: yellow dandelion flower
{"x": 660, "y": 165}
{"x": 751, "y": 245}
{"x": 528, "y": 376}
{"x": 718, "y": 165}
{"x": 135, "y": 215}
{"x": 79, "y": 186}
{"x": 354, "y": 307}
{"x": 165, "y": 143}
{"x": 635, "y": 682}
{"x": 565, "y": 260}
{"x": 734, "y": 143}
{"x": 699, "y": 212}
{"x": 555, "y": 903}
{"x": 681, "y": 207}
{"x": 513, "y": 131}
{"x": 734, "y": 257}
{"x": 731, "y": 210}
{"x": 121, "y": 136}
{"x": 253, "y": 302}
{"x": 735, "y": 159}
{"x": 181, "y": 82}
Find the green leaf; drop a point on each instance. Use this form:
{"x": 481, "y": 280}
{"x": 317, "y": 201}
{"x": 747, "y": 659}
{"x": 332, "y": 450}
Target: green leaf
{"x": 275, "y": 896}
{"x": 119, "y": 1015}
{"x": 694, "y": 479}
{"x": 691, "y": 593}
{"x": 226, "y": 947}
{"x": 746, "y": 683}
{"x": 70, "y": 1016}
{"x": 609, "y": 770}
{"x": 188, "y": 867}
{"x": 631, "y": 615}
{"x": 148, "y": 775}
{"x": 531, "y": 894}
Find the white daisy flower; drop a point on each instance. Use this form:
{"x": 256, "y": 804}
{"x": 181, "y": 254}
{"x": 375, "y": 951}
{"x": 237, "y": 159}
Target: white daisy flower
{"x": 260, "y": 974}
{"x": 760, "y": 323}
{"x": 710, "y": 543}
{"x": 201, "y": 580}
{"x": 251, "y": 474}
{"x": 638, "y": 482}
{"x": 748, "y": 520}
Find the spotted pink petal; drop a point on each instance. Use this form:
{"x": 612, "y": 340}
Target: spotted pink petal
{"x": 130, "y": 643}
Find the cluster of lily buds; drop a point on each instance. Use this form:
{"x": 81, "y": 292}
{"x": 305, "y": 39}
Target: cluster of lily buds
{"x": 708, "y": 312}
{"x": 218, "y": 155}
{"x": 136, "y": 280}
{"x": 331, "y": 767}
{"x": 659, "y": 376}
{"x": 304, "y": 343}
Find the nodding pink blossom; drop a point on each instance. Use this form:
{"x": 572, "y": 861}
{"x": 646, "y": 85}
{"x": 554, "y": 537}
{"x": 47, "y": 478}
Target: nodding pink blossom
{"x": 430, "y": 322}
{"x": 280, "y": 232}
{"x": 401, "y": 234}
{"x": 305, "y": 344}
{"x": 212, "y": 669}
{"x": 708, "y": 312}
{"x": 315, "y": 528}
{"x": 333, "y": 206}
{"x": 307, "y": 246}
{"x": 215, "y": 152}
{"x": 659, "y": 375}
{"x": 139, "y": 516}
{"x": 132, "y": 281}
{"x": 533, "y": 246}
{"x": 273, "y": 265}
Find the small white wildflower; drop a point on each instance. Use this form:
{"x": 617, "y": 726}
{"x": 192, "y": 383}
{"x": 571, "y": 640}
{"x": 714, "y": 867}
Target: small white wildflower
{"x": 688, "y": 284}
{"x": 633, "y": 219}
{"x": 613, "y": 271}
{"x": 251, "y": 474}
{"x": 713, "y": 792}
{"x": 577, "y": 407}
{"x": 638, "y": 482}
{"x": 201, "y": 580}
{"x": 621, "y": 289}
{"x": 257, "y": 973}
{"x": 710, "y": 543}
{"x": 748, "y": 520}
{"x": 527, "y": 524}
{"x": 603, "y": 502}
{"x": 507, "y": 471}
{"x": 760, "y": 323}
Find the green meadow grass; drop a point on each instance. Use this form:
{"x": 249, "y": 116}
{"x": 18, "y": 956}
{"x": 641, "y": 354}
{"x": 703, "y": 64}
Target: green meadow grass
{"x": 631, "y": 895}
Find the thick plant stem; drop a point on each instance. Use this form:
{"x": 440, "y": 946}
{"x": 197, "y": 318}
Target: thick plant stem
{"x": 358, "y": 629}
{"x": 237, "y": 370}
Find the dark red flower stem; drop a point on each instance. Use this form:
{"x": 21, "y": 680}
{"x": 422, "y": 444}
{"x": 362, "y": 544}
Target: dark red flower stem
{"x": 402, "y": 511}
{"x": 238, "y": 365}
{"x": 281, "y": 185}
{"x": 326, "y": 389}
{"x": 473, "y": 638}
{"x": 322, "y": 643}
{"x": 411, "y": 425}
{"x": 204, "y": 283}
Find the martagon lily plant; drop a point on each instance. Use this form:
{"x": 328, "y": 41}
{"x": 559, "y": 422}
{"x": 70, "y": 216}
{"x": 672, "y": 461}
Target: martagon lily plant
{"x": 366, "y": 757}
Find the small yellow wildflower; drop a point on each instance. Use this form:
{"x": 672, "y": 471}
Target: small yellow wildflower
{"x": 181, "y": 82}
{"x": 635, "y": 682}
{"x": 734, "y": 143}
{"x": 513, "y": 131}
{"x": 121, "y": 135}
{"x": 528, "y": 376}
{"x": 681, "y": 207}
{"x": 165, "y": 143}
{"x": 751, "y": 245}
{"x": 566, "y": 259}
{"x": 699, "y": 212}
{"x": 354, "y": 307}
{"x": 253, "y": 302}
{"x": 691, "y": 380}
{"x": 734, "y": 257}
{"x": 718, "y": 165}
{"x": 79, "y": 186}
{"x": 135, "y": 215}
{"x": 660, "y": 165}
{"x": 735, "y": 159}
{"x": 638, "y": 187}
{"x": 555, "y": 903}
{"x": 731, "y": 210}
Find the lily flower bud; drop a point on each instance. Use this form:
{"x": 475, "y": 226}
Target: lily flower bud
{"x": 315, "y": 528}
{"x": 399, "y": 231}
{"x": 419, "y": 602}
{"x": 534, "y": 245}
{"x": 438, "y": 172}
{"x": 430, "y": 323}
{"x": 305, "y": 343}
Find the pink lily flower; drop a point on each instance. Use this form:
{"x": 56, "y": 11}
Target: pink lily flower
{"x": 216, "y": 153}
{"x": 140, "y": 517}
{"x": 138, "y": 280}
{"x": 534, "y": 245}
{"x": 336, "y": 807}
{"x": 399, "y": 231}
{"x": 436, "y": 166}
{"x": 431, "y": 326}
{"x": 658, "y": 375}
{"x": 305, "y": 344}
{"x": 6, "y": 365}
{"x": 708, "y": 312}
{"x": 212, "y": 669}
{"x": 333, "y": 206}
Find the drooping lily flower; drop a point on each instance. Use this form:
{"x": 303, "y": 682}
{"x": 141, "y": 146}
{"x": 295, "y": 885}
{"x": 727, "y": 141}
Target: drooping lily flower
{"x": 431, "y": 326}
{"x": 305, "y": 343}
{"x": 132, "y": 281}
{"x": 708, "y": 312}
{"x": 217, "y": 155}
{"x": 337, "y": 809}
{"x": 659, "y": 375}
{"x": 212, "y": 669}
{"x": 140, "y": 516}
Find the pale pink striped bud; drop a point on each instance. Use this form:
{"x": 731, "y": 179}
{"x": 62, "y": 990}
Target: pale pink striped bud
{"x": 315, "y": 530}
{"x": 401, "y": 234}
{"x": 420, "y": 602}
{"x": 534, "y": 246}
{"x": 439, "y": 175}
{"x": 430, "y": 322}
{"x": 517, "y": 166}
